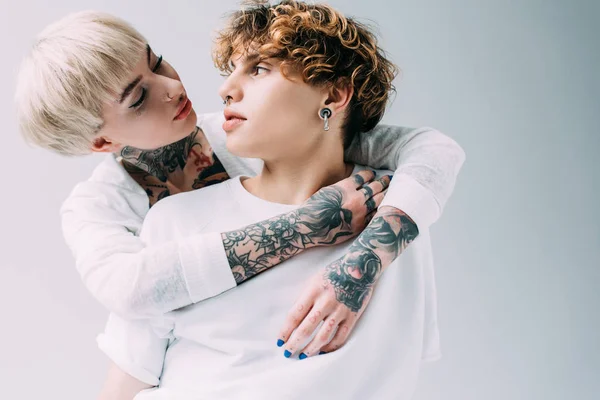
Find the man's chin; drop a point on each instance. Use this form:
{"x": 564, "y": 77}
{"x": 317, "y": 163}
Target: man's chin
{"x": 240, "y": 149}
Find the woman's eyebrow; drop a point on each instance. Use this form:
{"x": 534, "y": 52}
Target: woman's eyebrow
{"x": 129, "y": 88}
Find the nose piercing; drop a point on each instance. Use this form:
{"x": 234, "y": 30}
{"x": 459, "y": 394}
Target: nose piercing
{"x": 227, "y": 98}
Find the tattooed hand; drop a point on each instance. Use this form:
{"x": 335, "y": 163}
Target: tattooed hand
{"x": 339, "y": 294}
{"x": 338, "y": 212}
{"x": 331, "y": 216}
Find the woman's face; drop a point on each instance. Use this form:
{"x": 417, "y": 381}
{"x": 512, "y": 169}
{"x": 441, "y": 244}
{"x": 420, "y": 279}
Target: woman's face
{"x": 151, "y": 112}
{"x": 270, "y": 116}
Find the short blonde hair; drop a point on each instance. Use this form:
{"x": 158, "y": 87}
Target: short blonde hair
{"x": 75, "y": 66}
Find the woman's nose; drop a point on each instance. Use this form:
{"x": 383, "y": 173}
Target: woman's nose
{"x": 174, "y": 90}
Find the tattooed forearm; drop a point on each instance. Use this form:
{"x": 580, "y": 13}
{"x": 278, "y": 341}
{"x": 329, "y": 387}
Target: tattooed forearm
{"x": 258, "y": 247}
{"x": 388, "y": 234}
{"x": 324, "y": 215}
{"x": 354, "y": 275}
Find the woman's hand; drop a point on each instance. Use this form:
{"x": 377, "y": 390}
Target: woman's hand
{"x": 337, "y": 295}
{"x": 341, "y": 211}
{"x": 340, "y": 293}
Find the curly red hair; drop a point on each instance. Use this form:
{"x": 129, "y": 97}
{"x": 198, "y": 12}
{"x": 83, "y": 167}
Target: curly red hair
{"x": 323, "y": 45}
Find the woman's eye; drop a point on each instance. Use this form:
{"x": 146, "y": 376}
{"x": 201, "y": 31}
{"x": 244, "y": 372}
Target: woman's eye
{"x": 140, "y": 100}
{"x": 158, "y": 63}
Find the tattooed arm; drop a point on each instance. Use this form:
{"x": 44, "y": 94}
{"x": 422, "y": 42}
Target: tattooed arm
{"x": 323, "y": 220}
{"x": 353, "y": 276}
{"x": 426, "y": 164}
{"x": 101, "y": 220}
{"x": 344, "y": 288}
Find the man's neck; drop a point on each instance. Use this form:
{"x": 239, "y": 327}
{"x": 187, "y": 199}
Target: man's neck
{"x": 293, "y": 180}
{"x": 179, "y": 167}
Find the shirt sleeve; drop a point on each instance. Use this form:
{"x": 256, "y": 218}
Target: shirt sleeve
{"x": 130, "y": 279}
{"x": 135, "y": 347}
{"x": 426, "y": 164}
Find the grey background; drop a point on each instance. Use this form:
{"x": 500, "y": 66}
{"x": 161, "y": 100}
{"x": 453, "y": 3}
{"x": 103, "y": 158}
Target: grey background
{"x": 517, "y": 250}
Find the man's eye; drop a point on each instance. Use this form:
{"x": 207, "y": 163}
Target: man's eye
{"x": 258, "y": 70}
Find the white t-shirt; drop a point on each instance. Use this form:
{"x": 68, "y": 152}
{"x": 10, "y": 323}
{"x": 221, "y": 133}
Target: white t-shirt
{"x": 224, "y": 347}
{"x": 102, "y": 217}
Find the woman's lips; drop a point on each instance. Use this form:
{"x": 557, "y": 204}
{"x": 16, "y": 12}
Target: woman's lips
{"x": 185, "y": 111}
{"x": 232, "y": 123}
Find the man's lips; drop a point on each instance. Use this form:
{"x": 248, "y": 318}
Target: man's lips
{"x": 232, "y": 123}
{"x": 232, "y": 120}
{"x": 184, "y": 110}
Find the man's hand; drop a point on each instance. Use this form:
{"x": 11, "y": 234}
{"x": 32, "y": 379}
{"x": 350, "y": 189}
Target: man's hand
{"x": 339, "y": 294}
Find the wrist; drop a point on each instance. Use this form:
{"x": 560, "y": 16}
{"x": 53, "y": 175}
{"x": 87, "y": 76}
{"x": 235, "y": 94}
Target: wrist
{"x": 301, "y": 222}
{"x": 387, "y": 235}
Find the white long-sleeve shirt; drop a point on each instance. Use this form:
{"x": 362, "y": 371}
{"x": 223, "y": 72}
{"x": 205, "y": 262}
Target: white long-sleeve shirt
{"x": 102, "y": 218}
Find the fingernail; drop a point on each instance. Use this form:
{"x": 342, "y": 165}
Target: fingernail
{"x": 287, "y": 354}
{"x": 280, "y": 343}
{"x": 322, "y": 352}
{"x": 391, "y": 176}
{"x": 302, "y": 356}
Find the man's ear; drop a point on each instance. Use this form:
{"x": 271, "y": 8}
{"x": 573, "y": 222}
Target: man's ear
{"x": 102, "y": 144}
{"x": 339, "y": 96}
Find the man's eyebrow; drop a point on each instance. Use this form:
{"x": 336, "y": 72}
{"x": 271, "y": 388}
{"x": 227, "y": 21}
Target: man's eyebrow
{"x": 253, "y": 57}
{"x": 137, "y": 80}
{"x": 249, "y": 58}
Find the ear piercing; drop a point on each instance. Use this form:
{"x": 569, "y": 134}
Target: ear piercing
{"x": 325, "y": 113}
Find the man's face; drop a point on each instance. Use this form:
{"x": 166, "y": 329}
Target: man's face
{"x": 278, "y": 115}
{"x": 152, "y": 111}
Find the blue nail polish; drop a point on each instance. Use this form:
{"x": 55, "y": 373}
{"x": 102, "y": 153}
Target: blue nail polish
{"x": 280, "y": 343}
{"x": 287, "y": 354}
{"x": 322, "y": 352}
{"x": 302, "y": 356}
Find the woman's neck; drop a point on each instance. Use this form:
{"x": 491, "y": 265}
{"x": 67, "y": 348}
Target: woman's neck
{"x": 164, "y": 161}
{"x": 179, "y": 167}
